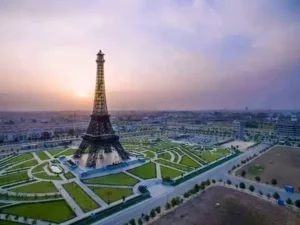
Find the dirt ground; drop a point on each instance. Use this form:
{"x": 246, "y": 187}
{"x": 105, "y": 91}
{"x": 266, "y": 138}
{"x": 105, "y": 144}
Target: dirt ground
{"x": 243, "y": 145}
{"x": 236, "y": 208}
{"x": 281, "y": 163}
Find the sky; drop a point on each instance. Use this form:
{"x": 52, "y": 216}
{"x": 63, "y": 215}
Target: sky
{"x": 160, "y": 54}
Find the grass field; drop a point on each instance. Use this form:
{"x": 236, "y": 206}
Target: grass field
{"x": 146, "y": 171}
{"x": 256, "y": 170}
{"x": 165, "y": 155}
{"x": 167, "y": 172}
{"x": 176, "y": 156}
{"x": 23, "y": 165}
{"x": 27, "y": 198}
{"x": 42, "y": 155}
{"x": 211, "y": 156}
{"x": 189, "y": 162}
{"x": 54, "y": 211}
{"x": 69, "y": 175}
{"x": 6, "y": 222}
{"x": 110, "y": 195}
{"x": 13, "y": 178}
{"x": 18, "y": 159}
{"x": 85, "y": 202}
{"x": 39, "y": 168}
{"x": 40, "y": 187}
{"x": 175, "y": 165}
{"x": 149, "y": 154}
{"x": 54, "y": 152}
{"x": 114, "y": 179}
{"x": 44, "y": 175}
{"x": 67, "y": 153}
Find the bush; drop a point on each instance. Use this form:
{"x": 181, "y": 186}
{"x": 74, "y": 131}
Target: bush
{"x": 146, "y": 218}
{"x": 251, "y": 188}
{"x": 273, "y": 181}
{"x": 268, "y": 195}
{"x": 257, "y": 179}
{"x": 276, "y": 195}
{"x": 175, "y": 201}
{"x": 236, "y": 186}
{"x": 229, "y": 182}
{"x": 152, "y": 213}
{"x": 157, "y": 209}
{"x": 260, "y": 192}
{"x": 242, "y": 185}
{"x": 213, "y": 181}
{"x": 289, "y": 201}
{"x": 186, "y": 194}
{"x": 207, "y": 182}
{"x": 196, "y": 188}
{"x": 143, "y": 189}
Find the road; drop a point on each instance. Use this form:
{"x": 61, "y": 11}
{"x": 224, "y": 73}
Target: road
{"x": 219, "y": 172}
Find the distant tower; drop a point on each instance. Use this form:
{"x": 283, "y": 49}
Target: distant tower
{"x": 100, "y": 136}
{"x": 238, "y": 130}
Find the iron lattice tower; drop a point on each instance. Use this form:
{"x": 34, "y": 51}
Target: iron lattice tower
{"x": 100, "y": 135}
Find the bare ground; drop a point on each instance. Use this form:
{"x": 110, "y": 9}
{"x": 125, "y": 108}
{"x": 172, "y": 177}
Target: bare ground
{"x": 281, "y": 163}
{"x": 236, "y": 208}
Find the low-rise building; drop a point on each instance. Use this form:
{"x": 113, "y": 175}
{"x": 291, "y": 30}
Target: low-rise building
{"x": 288, "y": 129}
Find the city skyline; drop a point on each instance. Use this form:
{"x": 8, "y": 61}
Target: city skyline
{"x": 160, "y": 55}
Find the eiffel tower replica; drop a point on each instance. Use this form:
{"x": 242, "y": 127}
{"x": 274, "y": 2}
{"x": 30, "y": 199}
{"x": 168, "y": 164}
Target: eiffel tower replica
{"x": 100, "y": 136}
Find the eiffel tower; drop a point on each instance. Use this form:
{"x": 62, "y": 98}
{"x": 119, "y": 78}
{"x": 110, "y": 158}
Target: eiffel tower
{"x": 100, "y": 136}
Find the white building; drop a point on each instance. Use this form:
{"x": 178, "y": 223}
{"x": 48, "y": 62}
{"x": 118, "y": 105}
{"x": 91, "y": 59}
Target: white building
{"x": 238, "y": 130}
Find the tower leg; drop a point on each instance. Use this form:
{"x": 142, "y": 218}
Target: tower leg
{"x": 121, "y": 151}
{"x": 93, "y": 156}
{"x": 82, "y": 147}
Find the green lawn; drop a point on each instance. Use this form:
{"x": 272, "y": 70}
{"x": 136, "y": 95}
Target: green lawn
{"x": 175, "y": 165}
{"x": 54, "y": 152}
{"x": 69, "y": 175}
{"x": 256, "y": 170}
{"x": 176, "y": 156}
{"x": 39, "y": 168}
{"x": 114, "y": 179}
{"x": 149, "y": 154}
{"x": 23, "y": 165}
{"x": 189, "y": 162}
{"x": 165, "y": 155}
{"x": 42, "y": 155}
{"x": 146, "y": 171}
{"x": 6, "y": 222}
{"x": 40, "y": 187}
{"x": 44, "y": 175}
{"x": 17, "y": 159}
{"x": 67, "y": 153}
{"x": 27, "y": 198}
{"x": 167, "y": 172}
{"x": 110, "y": 195}
{"x": 54, "y": 211}
{"x": 13, "y": 178}
{"x": 85, "y": 202}
{"x": 211, "y": 156}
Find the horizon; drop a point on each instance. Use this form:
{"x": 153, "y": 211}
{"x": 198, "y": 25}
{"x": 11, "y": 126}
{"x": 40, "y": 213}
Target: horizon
{"x": 194, "y": 55}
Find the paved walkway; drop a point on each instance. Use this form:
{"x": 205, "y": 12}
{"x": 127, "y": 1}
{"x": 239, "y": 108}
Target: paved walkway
{"x": 172, "y": 156}
{"x": 36, "y": 157}
{"x": 49, "y": 155}
{"x": 132, "y": 175}
{"x": 78, "y": 211}
{"x": 158, "y": 171}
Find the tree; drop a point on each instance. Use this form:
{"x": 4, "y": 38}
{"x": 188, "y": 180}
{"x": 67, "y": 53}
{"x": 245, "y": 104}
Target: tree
{"x": 242, "y": 185}
{"x": 273, "y": 181}
{"x": 229, "y": 182}
{"x": 146, "y": 218}
{"x": 152, "y": 213}
{"x": 268, "y": 195}
{"x": 168, "y": 205}
{"x": 251, "y": 188}
{"x": 276, "y": 195}
{"x": 260, "y": 192}
{"x": 297, "y": 203}
{"x": 243, "y": 173}
{"x": 207, "y": 182}
{"x": 257, "y": 178}
{"x": 132, "y": 222}
{"x": 213, "y": 181}
{"x": 140, "y": 221}
{"x": 157, "y": 209}
{"x": 289, "y": 201}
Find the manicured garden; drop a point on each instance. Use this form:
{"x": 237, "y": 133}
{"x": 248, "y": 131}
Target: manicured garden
{"x": 149, "y": 154}
{"x": 42, "y": 155}
{"x": 23, "y": 165}
{"x": 17, "y": 159}
{"x": 146, "y": 171}
{"x": 175, "y": 165}
{"x": 165, "y": 155}
{"x": 110, "y": 195}
{"x": 85, "y": 202}
{"x": 6, "y": 222}
{"x": 45, "y": 176}
{"x": 54, "y": 152}
{"x": 53, "y": 211}
{"x": 69, "y": 175}
{"x": 39, "y": 168}
{"x": 39, "y": 187}
{"x": 113, "y": 179}
{"x": 211, "y": 156}
{"x": 189, "y": 162}
{"x": 66, "y": 153}
{"x": 168, "y": 172}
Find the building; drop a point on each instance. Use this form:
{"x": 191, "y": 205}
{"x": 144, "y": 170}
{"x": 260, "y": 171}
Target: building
{"x": 238, "y": 130}
{"x": 288, "y": 129}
